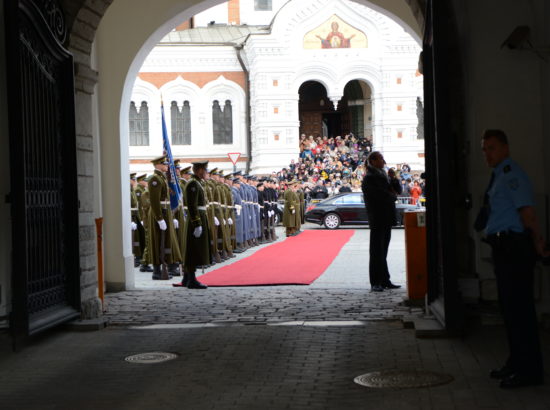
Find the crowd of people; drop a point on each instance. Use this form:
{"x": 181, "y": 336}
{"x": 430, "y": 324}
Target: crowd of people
{"x": 328, "y": 166}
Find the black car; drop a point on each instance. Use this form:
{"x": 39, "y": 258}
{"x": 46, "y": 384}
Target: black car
{"x": 347, "y": 209}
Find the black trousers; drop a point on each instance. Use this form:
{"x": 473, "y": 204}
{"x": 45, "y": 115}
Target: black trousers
{"x": 514, "y": 262}
{"x": 380, "y": 237}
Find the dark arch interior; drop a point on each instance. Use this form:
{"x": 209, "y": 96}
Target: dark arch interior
{"x": 318, "y": 116}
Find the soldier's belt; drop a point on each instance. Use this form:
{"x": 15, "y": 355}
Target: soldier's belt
{"x": 165, "y": 202}
{"x": 214, "y": 203}
{"x": 201, "y": 208}
{"x": 134, "y": 209}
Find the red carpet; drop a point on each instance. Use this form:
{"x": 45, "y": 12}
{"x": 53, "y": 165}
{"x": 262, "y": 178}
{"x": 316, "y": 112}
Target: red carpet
{"x": 298, "y": 260}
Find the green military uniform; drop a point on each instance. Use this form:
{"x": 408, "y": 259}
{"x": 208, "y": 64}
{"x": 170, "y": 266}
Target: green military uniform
{"x": 211, "y": 213}
{"x": 230, "y": 231}
{"x": 290, "y": 212}
{"x": 142, "y": 196}
{"x": 137, "y": 244}
{"x": 160, "y": 210}
{"x": 144, "y": 205}
{"x": 197, "y": 251}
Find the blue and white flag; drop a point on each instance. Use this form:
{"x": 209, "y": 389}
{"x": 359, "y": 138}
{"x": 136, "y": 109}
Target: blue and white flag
{"x": 173, "y": 184}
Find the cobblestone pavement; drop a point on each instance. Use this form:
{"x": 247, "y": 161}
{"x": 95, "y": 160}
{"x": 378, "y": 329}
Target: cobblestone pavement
{"x": 256, "y": 367}
{"x": 341, "y": 293}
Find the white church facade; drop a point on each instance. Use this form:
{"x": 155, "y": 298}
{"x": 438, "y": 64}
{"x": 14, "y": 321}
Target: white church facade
{"x": 252, "y": 76}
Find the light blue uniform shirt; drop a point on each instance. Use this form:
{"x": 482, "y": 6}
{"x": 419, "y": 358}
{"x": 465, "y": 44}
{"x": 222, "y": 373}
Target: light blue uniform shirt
{"x": 511, "y": 191}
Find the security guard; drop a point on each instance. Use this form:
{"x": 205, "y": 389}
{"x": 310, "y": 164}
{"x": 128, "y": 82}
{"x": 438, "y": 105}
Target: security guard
{"x": 197, "y": 230}
{"x": 508, "y": 215}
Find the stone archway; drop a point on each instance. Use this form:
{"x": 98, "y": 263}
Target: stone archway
{"x": 98, "y": 133}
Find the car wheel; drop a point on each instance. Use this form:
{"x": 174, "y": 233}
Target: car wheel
{"x": 331, "y": 221}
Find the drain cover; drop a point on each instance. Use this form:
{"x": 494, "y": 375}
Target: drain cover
{"x": 151, "y": 357}
{"x": 399, "y": 379}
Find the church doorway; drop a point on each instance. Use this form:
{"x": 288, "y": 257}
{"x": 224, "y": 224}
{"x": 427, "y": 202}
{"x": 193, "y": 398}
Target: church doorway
{"x": 352, "y": 115}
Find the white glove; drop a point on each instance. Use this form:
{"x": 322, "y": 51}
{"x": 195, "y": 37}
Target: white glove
{"x": 224, "y": 222}
{"x": 134, "y": 226}
{"x": 270, "y": 213}
{"x": 238, "y": 212}
{"x": 176, "y": 224}
{"x": 293, "y": 211}
{"x": 197, "y": 232}
{"x": 216, "y": 222}
{"x": 142, "y": 223}
{"x": 230, "y": 221}
{"x": 162, "y": 225}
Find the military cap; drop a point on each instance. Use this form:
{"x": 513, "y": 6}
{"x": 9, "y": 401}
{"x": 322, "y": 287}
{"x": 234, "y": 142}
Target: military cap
{"x": 177, "y": 163}
{"x": 159, "y": 160}
{"x": 238, "y": 173}
{"x": 260, "y": 184}
{"x": 236, "y": 180}
{"x": 253, "y": 178}
{"x": 220, "y": 172}
{"x": 185, "y": 170}
{"x": 141, "y": 177}
{"x": 214, "y": 171}
{"x": 200, "y": 164}
{"x": 133, "y": 175}
{"x": 228, "y": 176}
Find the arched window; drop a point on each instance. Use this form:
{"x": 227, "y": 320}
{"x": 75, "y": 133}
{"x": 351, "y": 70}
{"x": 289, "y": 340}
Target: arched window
{"x": 222, "y": 122}
{"x": 181, "y": 123}
{"x": 139, "y": 124}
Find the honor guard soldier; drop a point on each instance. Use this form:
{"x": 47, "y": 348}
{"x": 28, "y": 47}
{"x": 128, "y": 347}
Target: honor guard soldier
{"x": 137, "y": 248}
{"x": 290, "y": 213}
{"x": 246, "y": 210}
{"x": 163, "y": 243}
{"x": 508, "y": 217}
{"x": 230, "y": 211}
{"x": 239, "y": 220}
{"x": 263, "y": 205}
{"x": 197, "y": 229}
{"x": 213, "y": 211}
{"x": 225, "y": 203}
{"x": 301, "y": 197}
{"x": 179, "y": 221}
{"x": 142, "y": 195}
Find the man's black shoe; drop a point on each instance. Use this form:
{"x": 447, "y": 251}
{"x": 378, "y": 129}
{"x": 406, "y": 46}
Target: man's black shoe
{"x": 501, "y": 373}
{"x": 195, "y": 284}
{"x": 517, "y": 380}
{"x": 390, "y": 285}
{"x": 377, "y": 288}
{"x": 145, "y": 268}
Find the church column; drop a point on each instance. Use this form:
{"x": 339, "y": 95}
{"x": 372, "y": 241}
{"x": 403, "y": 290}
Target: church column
{"x": 377, "y": 122}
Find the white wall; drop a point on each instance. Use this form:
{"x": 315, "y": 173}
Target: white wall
{"x": 218, "y": 13}
{"x": 5, "y": 220}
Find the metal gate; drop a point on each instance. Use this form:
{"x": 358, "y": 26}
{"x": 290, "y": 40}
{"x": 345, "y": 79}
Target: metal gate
{"x": 443, "y": 295}
{"x": 46, "y": 273}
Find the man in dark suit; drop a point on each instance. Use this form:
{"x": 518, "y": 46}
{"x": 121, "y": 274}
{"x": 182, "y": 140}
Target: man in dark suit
{"x": 380, "y": 202}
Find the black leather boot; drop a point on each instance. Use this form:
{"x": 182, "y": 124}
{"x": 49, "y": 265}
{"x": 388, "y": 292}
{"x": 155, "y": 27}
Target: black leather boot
{"x": 193, "y": 283}
{"x": 174, "y": 269}
{"x": 157, "y": 275}
{"x": 145, "y": 268}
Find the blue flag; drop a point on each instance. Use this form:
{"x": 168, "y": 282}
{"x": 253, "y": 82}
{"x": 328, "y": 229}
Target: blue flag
{"x": 173, "y": 184}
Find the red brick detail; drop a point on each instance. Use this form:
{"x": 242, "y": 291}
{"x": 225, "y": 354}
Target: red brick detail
{"x": 421, "y": 155}
{"x": 234, "y": 13}
{"x": 200, "y": 79}
{"x": 189, "y": 160}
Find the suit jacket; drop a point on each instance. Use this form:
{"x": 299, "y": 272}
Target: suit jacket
{"x": 379, "y": 198}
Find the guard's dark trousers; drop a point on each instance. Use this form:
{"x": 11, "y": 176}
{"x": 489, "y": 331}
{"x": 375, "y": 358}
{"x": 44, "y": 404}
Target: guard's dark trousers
{"x": 380, "y": 237}
{"x": 514, "y": 261}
